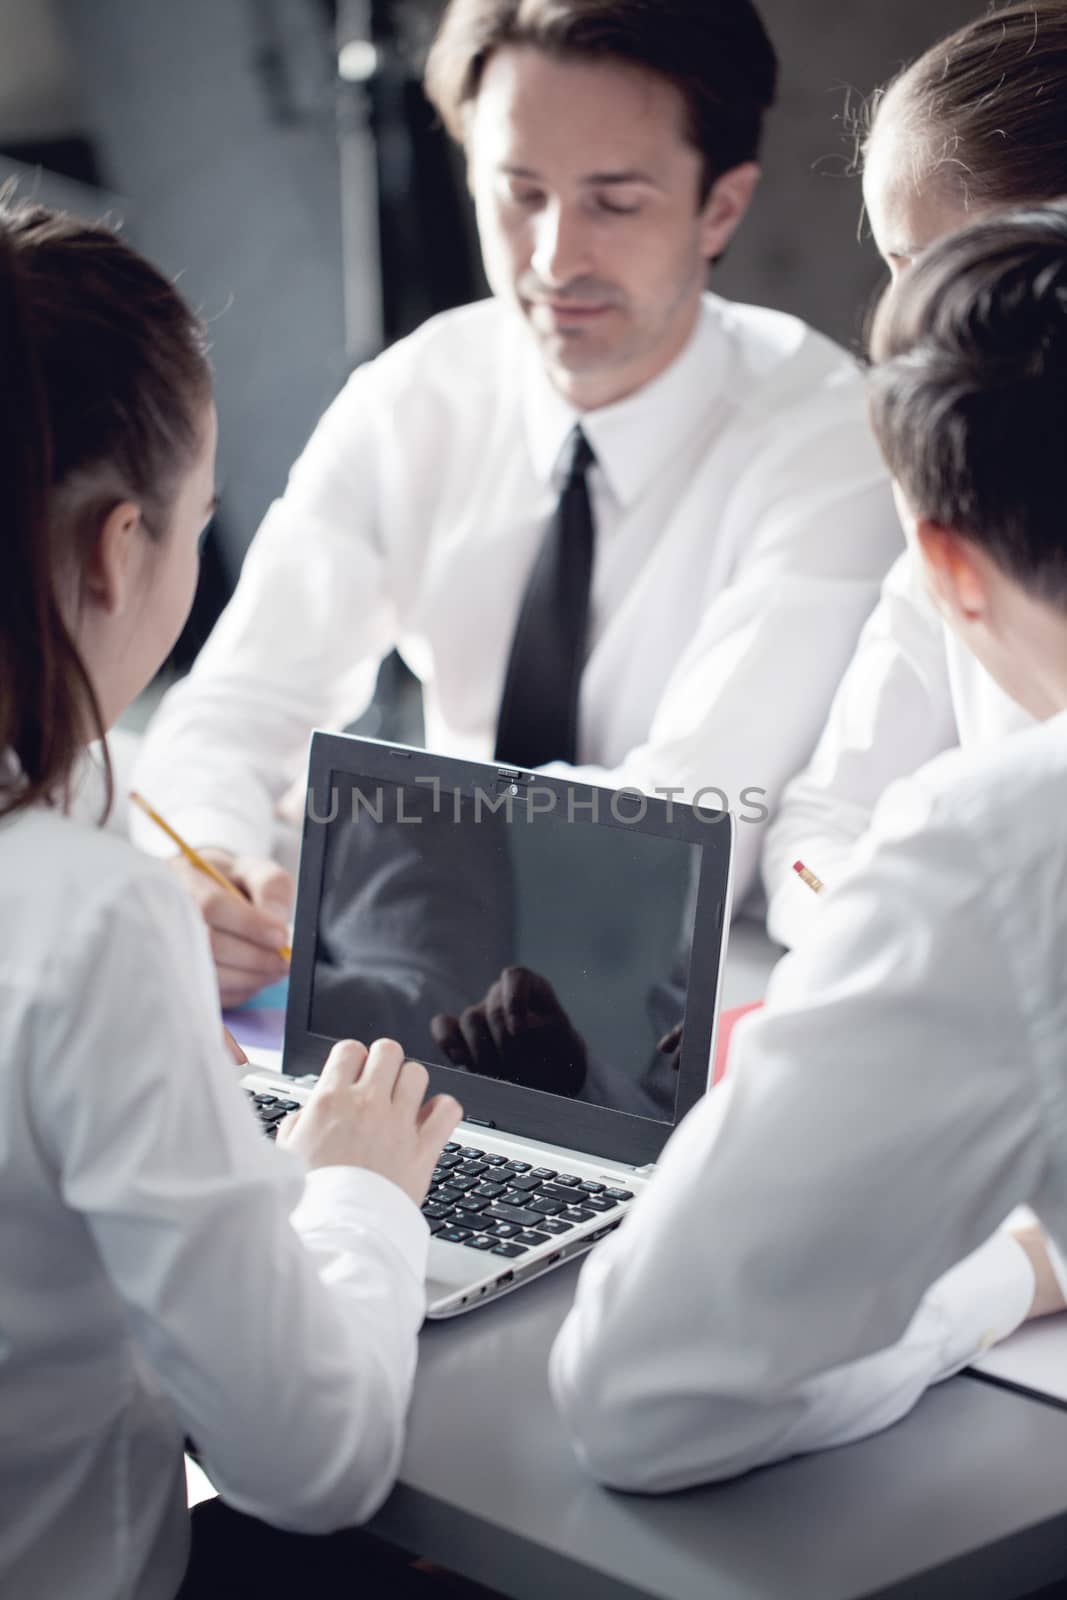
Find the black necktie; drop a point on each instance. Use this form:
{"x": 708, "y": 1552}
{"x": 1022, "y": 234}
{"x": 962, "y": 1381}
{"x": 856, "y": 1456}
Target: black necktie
{"x": 538, "y": 719}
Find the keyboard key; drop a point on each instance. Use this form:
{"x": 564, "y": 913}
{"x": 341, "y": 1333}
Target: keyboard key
{"x": 568, "y": 1180}
{"x": 451, "y": 1148}
{"x": 592, "y": 1188}
{"x": 494, "y": 1161}
{"x": 619, "y": 1194}
{"x": 532, "y": 1239}
{"x": 546, "y": 1208}
{"x": 524, "y": 1182}
{"x": 471, "y": 1202}
{"x": 432, "y": 1209}
{"x": 578, "y": 1214}
{"x": 470, "y": 1154}
{"x": 436, "y": 1224}
{"x": 499, "y": 1212}
{"x": 289, "y": 1105}
{"x": 462, "y": 1184}
{"x": 492, "y": 1191}
{"x": 509, "y": 1249}
{"x": 448, "y": 1192}
{"x": 272, "y": 1114}
{"x": 517, "y": 1166}
{"x": 265, "y": 1099}
{"x": 448, "y": 1162}
{"x": 473, "y": 1169}
{"x": 517, "y": 1197}
{"x": 596, "y": 1202}
{"x": 463, "y": 1219}
{"x": 555, "y": 1224}
{"x": 543, "y": 1173}
{"x": 552, "y": 1191}
{"x": 501, "y": 1230}
{"x": 478, "y": 1241}
{"x": 454, "y": 1236}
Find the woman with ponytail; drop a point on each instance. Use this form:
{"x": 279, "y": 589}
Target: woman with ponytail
{"x": 973, "y": 127}
{"x": 154, "y": 1286}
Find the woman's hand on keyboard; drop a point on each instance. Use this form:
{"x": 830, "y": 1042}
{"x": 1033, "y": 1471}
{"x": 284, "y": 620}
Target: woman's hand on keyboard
{"x": 367, "y": 1111}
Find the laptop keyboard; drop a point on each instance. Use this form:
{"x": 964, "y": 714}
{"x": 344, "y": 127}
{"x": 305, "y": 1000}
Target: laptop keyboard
{"x": 271, "y": 1109}
{"x": 506, "y": 1208}
{"x": 487, "y": 1202}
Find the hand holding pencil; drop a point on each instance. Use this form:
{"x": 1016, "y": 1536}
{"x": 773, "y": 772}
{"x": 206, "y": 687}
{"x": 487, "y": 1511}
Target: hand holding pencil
{"x": 245, "y": 902}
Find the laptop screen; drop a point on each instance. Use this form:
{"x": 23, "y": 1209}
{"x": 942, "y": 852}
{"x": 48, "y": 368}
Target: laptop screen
{"x": 522, "y": 942}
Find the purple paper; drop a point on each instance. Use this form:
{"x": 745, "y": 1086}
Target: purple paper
{"x": 257, "y": 1030}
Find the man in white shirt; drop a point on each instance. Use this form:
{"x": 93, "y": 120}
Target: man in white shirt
{"x": 667, "y": 602}
{"x": 906, "y": 1085}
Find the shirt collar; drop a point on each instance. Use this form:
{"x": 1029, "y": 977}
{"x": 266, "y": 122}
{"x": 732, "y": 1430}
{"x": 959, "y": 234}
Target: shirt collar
{"x": 637, "y": 436}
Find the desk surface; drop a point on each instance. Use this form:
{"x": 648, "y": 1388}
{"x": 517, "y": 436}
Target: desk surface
{"x": 966, "y": 1497}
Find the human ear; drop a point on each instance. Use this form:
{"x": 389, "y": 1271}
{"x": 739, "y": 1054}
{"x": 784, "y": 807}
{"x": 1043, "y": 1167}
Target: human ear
{"x": 954, "y": 570}
{"x": 113, "y": 563}
{"x": 725, "y": 208}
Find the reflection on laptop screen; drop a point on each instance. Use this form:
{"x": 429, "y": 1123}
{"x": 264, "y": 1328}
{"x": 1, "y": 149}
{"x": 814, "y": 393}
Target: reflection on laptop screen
{"x": 530, "y": 946}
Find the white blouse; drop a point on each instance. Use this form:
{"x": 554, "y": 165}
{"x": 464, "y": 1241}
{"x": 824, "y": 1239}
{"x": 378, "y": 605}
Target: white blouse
{"x": 155, "y": 1278}
{"x": 912, "y": 691}
{"x": 904, "y": 1089}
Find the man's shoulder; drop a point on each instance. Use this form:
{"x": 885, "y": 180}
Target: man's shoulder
{"x": 778, "y": 358}
{"x": 467, "y": 347}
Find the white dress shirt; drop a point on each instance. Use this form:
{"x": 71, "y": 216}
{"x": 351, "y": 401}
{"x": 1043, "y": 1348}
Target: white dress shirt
{"x": 904, "y": 1089}
{"x": 743, "y": 527}
{"x": 153, "y": 1284}
{"x": 911, "y": 692}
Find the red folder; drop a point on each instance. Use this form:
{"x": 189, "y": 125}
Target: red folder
{"x": 727, "y": 1022}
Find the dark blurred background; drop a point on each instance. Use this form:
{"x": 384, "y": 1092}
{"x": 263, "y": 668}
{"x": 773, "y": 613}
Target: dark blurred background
{"x": 279, "y": 156}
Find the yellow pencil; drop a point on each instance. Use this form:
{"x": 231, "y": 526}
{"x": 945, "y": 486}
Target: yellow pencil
{"x": 195, "y": 858}
{"x": 805, "y": 874}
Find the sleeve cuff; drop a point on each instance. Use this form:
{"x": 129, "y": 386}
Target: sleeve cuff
{"x": 985, "y": 1298}
{"x": 339, "y": 1199}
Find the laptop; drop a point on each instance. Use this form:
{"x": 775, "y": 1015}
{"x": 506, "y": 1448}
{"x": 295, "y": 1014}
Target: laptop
{"x": 551, "y": 951}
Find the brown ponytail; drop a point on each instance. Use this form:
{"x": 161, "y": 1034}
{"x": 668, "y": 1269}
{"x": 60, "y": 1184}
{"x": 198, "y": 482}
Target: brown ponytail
{"x": 103, "y": 377}
{"x": 983, "y": 109}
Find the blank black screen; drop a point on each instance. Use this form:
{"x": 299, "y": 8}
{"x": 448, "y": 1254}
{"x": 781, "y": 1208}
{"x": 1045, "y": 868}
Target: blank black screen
{"x": 522, "y": 944}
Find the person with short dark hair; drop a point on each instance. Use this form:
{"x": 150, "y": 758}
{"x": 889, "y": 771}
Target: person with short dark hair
{"x": 167, "y": 1273}
{"x": 906, "y": 1085}
{"x": 974, "y": 126}
{"x": 617, "y": 526}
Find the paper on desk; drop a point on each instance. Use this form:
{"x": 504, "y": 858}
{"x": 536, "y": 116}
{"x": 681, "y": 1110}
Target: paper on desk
{"x": 1033, "y": 1359}
{"x": 268, "y": 1060}
{"x": 198, "y": 1486}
